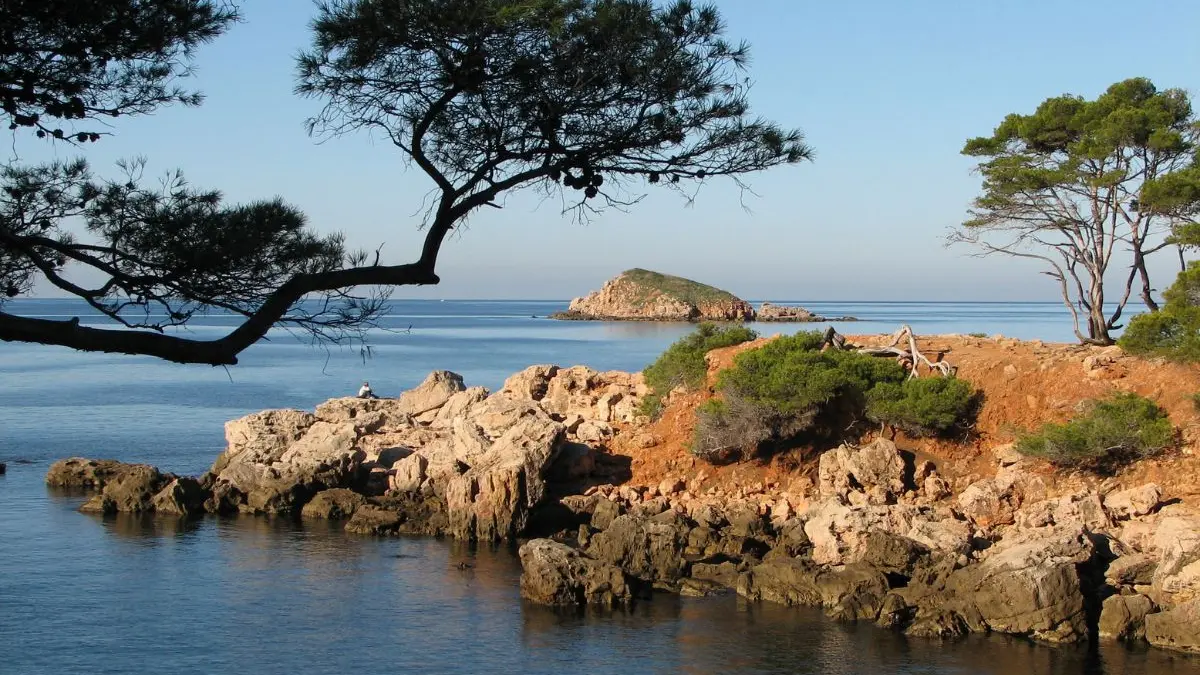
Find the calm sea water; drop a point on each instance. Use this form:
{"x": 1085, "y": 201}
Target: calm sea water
{"x": 84, "y": 594}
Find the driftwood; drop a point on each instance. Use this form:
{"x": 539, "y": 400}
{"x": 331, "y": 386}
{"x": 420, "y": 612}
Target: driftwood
{"x": 907, "y": 355}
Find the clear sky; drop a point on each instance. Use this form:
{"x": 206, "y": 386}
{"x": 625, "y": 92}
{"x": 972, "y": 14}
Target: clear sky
{"x": 885, "y": 91}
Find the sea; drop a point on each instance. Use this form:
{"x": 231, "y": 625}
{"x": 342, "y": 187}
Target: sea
{"x": 89, "y": 594}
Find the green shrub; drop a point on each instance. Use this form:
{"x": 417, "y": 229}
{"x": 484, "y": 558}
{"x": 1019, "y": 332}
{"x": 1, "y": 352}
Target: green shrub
{"x": 925, "y": 406}
{"x": 1111, "y": 432}
{"x": 789, "y": 388}
{"x": 1196, "y": 401}
{"x": 977, "y": 335}
{"x": 1174, "y": 331}
{"x": 651, "y": 406}
{"x": 682, "y": 364}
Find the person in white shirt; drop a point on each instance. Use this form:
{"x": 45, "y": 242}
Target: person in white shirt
{"x": 365, "y": 391}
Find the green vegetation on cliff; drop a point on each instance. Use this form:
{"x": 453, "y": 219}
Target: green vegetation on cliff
{"x": 1112, "y": 432}
{"x": 1174, "y": 331}
{"x": 683, "y": 365}
{"x": 791, "y": 388}
{"x": 686, "y": 290}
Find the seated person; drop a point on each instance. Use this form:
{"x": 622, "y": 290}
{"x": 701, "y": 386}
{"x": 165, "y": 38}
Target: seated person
{"x": 365, "y": 391}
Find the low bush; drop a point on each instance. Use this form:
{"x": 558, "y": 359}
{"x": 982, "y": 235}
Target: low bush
{"x": 1111, "y": 432}
{"x": 926, "y": 406}
{"x": 1174, "y": 331}
{"x": 683, "y": 365}
{"x": 1196, "y": 401}
{"x": 790, "y": 388}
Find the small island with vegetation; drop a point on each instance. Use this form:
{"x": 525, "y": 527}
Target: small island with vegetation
{"x": 643, "y": 295}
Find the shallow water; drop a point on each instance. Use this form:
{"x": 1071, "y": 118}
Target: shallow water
{"x": 86, "y": 594}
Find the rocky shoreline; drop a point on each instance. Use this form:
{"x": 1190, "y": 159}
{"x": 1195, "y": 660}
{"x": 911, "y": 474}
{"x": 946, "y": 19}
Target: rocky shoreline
{"x": 879, "y": 537}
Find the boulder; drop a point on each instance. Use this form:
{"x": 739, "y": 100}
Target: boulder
{"x": 575, "y": 461}
{"x": 1177, "y": 628}
{"x": 408, "y": 474}
{"x": 847, "y": 468}
{"x": 181, "y": 497}
{"x": 839, "y": 533}
{"x": 131, "y": 489}
{"x": 1134, "y": 502}
{"x": 889, "y": 552}
{"x": 374, "y": 520}
{"x": 649, "y": 549}
{"x": 491, "y": 501}
{"x": 557, "y": 575}
{"x": 1082, "y": 510}
{"x": 433, "y": 393}
{"x": 1123, "y": 617}
{"x": 531, "y": 383}
{"x": 724, "y": 574}
{"x": 78, "y": 472}
{"x": 335, "y": 504}
{"x": 1028, "y": 585}
{"x": 1136, "y": 569}
{"x": 852, "y": 592}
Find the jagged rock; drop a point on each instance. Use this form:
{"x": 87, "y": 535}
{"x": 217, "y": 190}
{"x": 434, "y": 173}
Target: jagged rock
{"x": 1123, "y": 617}
{"x": 181, "y": 497}
{"x": 877, "y": 464}
{"x": 839, "y": 533}
{"x": 335, "y": 504}
{"x": 1028, "y": 585}
{"x": 1081, "y": 509}
{"x": 1177, "y": 628}
{"x": 78, "y": 472}
{"x": 606, "y": 512}
{"x": 459, "y": 405}
{"x": 280, "y": 469}
{"x": 492, "y": 499}
{"x": 557, "y": 575}
{"x": 531, "y": 383}
{"x": 1007, "y": 455}
{"x": 1138, "y": 501}
{"x": 649, "y": 549}
{"x": 1177, "y": 539}
{"x": 1136, "y": 569}
{"x": 130, "y": 489}
{"x": 263, "y": 437}
{"x": 409, "y": 473}
{"x": 433, "y": 393}
{"x": 852, "y": 592}
{"x": 892, "y": 553}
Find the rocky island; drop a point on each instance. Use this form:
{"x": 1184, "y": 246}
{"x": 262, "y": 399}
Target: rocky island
{"x": 934, "y": 538}
{"x": 643, "y": 295}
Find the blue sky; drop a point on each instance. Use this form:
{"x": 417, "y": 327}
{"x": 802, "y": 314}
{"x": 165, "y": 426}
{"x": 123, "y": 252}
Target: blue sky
{"x": 885, "y": 91}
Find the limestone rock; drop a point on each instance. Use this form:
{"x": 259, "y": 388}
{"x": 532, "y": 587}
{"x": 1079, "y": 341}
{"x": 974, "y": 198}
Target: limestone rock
{"x": 270, "y": 471}
{"x": 1132, "y": 570}
{"x": 374, "y": 520}
{"x": 181, "y": 497}
{"x": 1177, "y": 539}
{"x": 1177, "y": 628}
{"x": 409, "y": 473}
{"x": 1123, "y": 617}
{"x": 492, "y": 499}
{"x": 649, "y": 549}
{"x": 433, "y": 393}
{"x": 853, "y": 592}
{"x": 1138, "y": 501}
{"x": 131, "y": 489}
{"x": 846, "y": 468}
{"x": 459, "y": 405}
{"x": 557, "y": 575}
{"x": 1028, "y": 585}
{"x": 335, "y": 504}
{"x": 78, "y": 472}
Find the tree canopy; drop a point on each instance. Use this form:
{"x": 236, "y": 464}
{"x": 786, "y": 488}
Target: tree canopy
{"x": 590, "y": 98}
{"x": 1080, "y": 184}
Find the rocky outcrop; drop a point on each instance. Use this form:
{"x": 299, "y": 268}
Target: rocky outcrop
{"x": 557, "y": 575}
{"x": 335, "y": 504}
{"x": 78, "y": 472}
{"x": 768, "y": 312}
{"x": 128, "y": 488}
{"x": 641, "y": 295}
